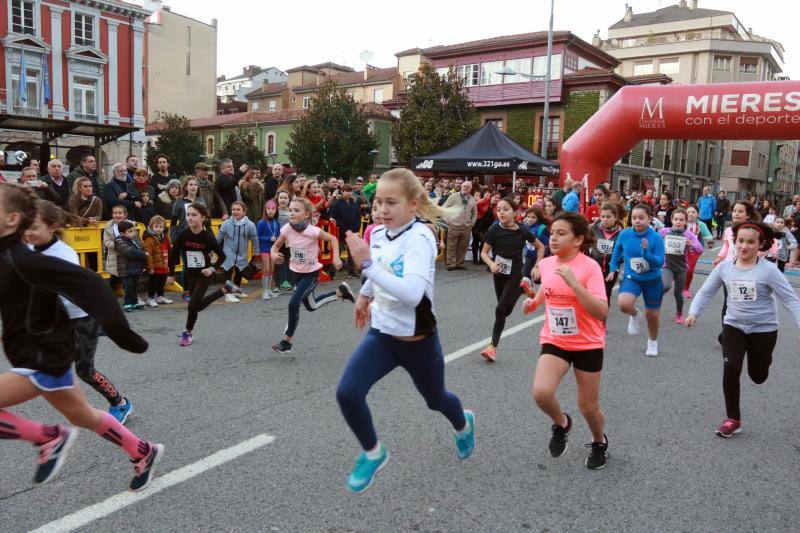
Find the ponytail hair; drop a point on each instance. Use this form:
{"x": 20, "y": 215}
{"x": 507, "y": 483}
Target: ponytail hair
{"x": 17, "y": 198}
{"x": 413, "y": 188}
{"x": 51, "y": 215}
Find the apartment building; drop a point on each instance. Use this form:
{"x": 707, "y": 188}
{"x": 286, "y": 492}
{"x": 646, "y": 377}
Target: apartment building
{"x": 691, "y": 44}
{"x": 252, "y": 76}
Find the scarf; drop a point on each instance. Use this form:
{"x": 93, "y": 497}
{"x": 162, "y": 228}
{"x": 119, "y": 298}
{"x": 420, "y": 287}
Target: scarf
{"x": 301, "y": 227}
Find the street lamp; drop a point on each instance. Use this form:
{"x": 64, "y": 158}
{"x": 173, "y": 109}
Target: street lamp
{"x": 374, "y": 155}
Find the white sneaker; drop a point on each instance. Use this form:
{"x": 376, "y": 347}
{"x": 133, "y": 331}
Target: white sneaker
{"x": 635, "y": 323}
{"x": 231, "y": 298}
{"x": 266, "y": 295}
{"x": 652, "y": 348}
{"x": 141, "y": 302}
{"x": 163, "y": 300}
{"x": 151, "y": 303}
{"x": 274, "y": 294}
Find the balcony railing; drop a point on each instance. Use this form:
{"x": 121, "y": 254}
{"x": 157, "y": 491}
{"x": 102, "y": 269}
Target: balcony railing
{"x": 668, "y": 39}
{"x": 86, "y": 117}
{"x": 26, "y": 111}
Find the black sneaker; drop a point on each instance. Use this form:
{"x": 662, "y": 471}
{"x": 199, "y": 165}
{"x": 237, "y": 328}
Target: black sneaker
{"x": 346, "y": 292}
{"x": 598, "y": 456}
{"x": 283, "y": 347}
{"x": 558, "y": 442}
{"x": 146, "y": 467}
{"x": 53, "y": 453}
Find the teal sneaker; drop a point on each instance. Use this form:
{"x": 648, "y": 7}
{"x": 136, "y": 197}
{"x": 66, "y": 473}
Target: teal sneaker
{"x": 286, "y": 286}
{"x": 364, "y": 471}
{"x": 466, "y": 443}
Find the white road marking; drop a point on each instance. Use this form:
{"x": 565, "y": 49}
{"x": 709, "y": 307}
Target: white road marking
{"x": 100, "y": 510}
{"x": 482, "y": 344}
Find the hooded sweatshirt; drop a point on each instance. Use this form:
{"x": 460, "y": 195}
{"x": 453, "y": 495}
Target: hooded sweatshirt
{"x": 233, "y": 236}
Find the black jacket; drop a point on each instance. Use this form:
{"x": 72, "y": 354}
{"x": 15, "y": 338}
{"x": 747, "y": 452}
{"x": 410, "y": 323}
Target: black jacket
{"x": 62, "y": 190}
{"x": 37, "y": 332}
{"x": 226, "y": 187}
{"x": 347, "y": 214}
{"x": 131, "y": 259}
{"x": 114, "y": 189}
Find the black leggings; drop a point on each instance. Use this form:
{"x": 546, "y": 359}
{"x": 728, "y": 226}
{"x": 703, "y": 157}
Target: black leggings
{"x": 477, "y": 244}
{"x": 197, "y": 284}
{"x": 85, "y": 332}
{"x": 508, "y": 292}
{"x": 610, "y": 285}
{"x": 235, "y": 275}
{"x": 155, "y": 285}
{"x": 735, "y": 344}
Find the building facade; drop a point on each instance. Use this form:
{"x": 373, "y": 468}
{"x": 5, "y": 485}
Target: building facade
{"x": 181, "y": 65}
{"x": 80, "y": 61}
{"x": 252, "y": 77}
{"x": 695, "y": 45}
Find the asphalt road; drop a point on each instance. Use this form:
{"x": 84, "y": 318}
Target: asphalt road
{"x": 668, "y": 472}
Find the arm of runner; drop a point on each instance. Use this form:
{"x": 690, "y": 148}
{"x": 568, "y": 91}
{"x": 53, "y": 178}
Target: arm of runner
{"x": 487, "y": 258}
{"x": 366, "y": 289}
{"x": 694, "y": 242}
{"x": 786, "y": 294}
{"x": 85, "y": 289}
{"x": 217, "y": 249}
{"x": 616, "y": 256}
{"x": 654, "y": 253}
{"x": 175, "y": 254}
{"x": 416, "y": 265}
{"x": 704, "y": 296}
{"x": 337, "y": 261}
{"x": 275, "y": 251}
{"x": 589, "y": 298}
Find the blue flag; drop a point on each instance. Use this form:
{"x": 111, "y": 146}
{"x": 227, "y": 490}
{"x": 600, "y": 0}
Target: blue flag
{"x": 23, "y": 80}
{"x": 46, "y": 80}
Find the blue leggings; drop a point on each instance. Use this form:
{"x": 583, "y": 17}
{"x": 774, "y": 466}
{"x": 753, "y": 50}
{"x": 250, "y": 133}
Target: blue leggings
{"x": 377, "y": 355}
{"x": 304, "y": 293}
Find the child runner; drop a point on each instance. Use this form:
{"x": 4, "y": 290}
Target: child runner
{"x": 377, "y": 220}
{"x": 678, "y": 244}
{"x": 606, "y": 231}
{"x": 751, "y": 319}
{"x": 785, "y": 242}
{"x": 398, "y": 298}
{"x": 197, "y": 243}
{"x": 45, "y": 237}
{"x": 703, "y": 234}
{"x": 506, "y": 243}
{"x": 303, "y": 240}
{"x": 268, "y": 232}
{"x": 131, "y": 259}
{"x": 643, "y": 252}
{"x": 156, "y": 244}
{"x": 234, "y": 235}
{"x": 38, "y": 340}
{"x": 573, "y": 333}
{"x": 282, "y": 281}
{"x": 535, "y": 223}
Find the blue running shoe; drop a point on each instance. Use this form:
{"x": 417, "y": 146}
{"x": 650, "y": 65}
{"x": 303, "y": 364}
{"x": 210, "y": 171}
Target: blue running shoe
{"x": 363, "y": 473}
{"x": 465, "y": 443}
{"x": 122, "y": 411}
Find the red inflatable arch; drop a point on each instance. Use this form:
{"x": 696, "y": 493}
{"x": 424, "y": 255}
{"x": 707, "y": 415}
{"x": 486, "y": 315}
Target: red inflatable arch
{"x": 724, "y": 111}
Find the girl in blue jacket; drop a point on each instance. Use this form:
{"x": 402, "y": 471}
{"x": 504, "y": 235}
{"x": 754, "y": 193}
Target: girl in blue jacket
{"x": 642, "y": 249}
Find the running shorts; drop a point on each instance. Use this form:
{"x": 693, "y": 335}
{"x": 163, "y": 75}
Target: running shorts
{"x": 584, "y": 360}
{"x": 652, "y": 291}
{"x": 47, "y": 382}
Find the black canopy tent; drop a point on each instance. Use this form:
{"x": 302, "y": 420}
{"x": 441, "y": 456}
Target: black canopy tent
{"x": 487, "y": 151}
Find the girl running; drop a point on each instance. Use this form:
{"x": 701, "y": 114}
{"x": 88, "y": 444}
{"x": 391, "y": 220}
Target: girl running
{"x": 573, "y": 333}
{"x": 534, "y": 221}
{"x": 268, "y": 232}
{"x": 302, "y": 240}
{"x": 642, "y": 249}
{"x": 785, "y": 242}
{"x": 45, "y": 237}
{"x": 196, "y": 243}
{"x": 679, "y": 243}
{"x": 505, "y": 241}
{"x": 751, "y": 321}
{"x": 606, "y": 232}
{"x": 234, "y": 235}
{"x": 703, "y": 234}
{"x": 377, "y": 220}
{"x": 38, "y": 341}
{"x": 282, "y": 281}
{"x": 664, "y": 209}
{"x": 398, "y": 299}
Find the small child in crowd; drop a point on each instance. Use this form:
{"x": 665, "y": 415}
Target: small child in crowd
{"x": 130, "y": 263}
{"x": 156, "y": 243}
{"x": 269, "y": 230}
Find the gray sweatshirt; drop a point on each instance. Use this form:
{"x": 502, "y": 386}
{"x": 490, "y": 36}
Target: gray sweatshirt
{"x": 751, "y": 296}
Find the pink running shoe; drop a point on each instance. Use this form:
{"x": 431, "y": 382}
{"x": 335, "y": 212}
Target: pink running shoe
{"x": 687, "y": 293}
{"x": 679, "y": 318}
{"x": 489, "y": 353}
{"x": 525, "y": 285}
{"x": 729, "y": 427}
{"x": 186, "y": 338}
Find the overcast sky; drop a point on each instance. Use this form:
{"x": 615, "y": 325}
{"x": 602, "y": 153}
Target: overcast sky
{"x": 289, "y": 34}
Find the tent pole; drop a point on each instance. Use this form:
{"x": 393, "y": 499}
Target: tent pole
{"x": 513, "y": 182}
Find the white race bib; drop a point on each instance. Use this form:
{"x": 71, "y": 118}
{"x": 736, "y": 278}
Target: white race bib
{"x": 299, "y": 255}
{"x": 605, "y": 246}
{"x": 195, "y": 259}
{"x": 562, "y": 321}
{"x": 675, "y": 244}
{"x": 639, "y": 265}
{"x": 504, "y": 264}
{"x": 780, "y": 244}
{"x": 743, "y": 290}
{"x": 662, "y": 214}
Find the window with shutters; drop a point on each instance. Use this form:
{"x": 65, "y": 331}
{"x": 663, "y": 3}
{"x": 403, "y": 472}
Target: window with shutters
{"x": 641, "y": 68}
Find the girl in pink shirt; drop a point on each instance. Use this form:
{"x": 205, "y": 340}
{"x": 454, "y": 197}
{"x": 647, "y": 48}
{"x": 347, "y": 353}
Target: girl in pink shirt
{"x": 302, "y": 240}
{"x": 573, "y": 290}
{"x": 377, "y": 220}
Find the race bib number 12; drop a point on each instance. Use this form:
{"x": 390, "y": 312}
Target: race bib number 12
{"x": 743, "y": 290}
